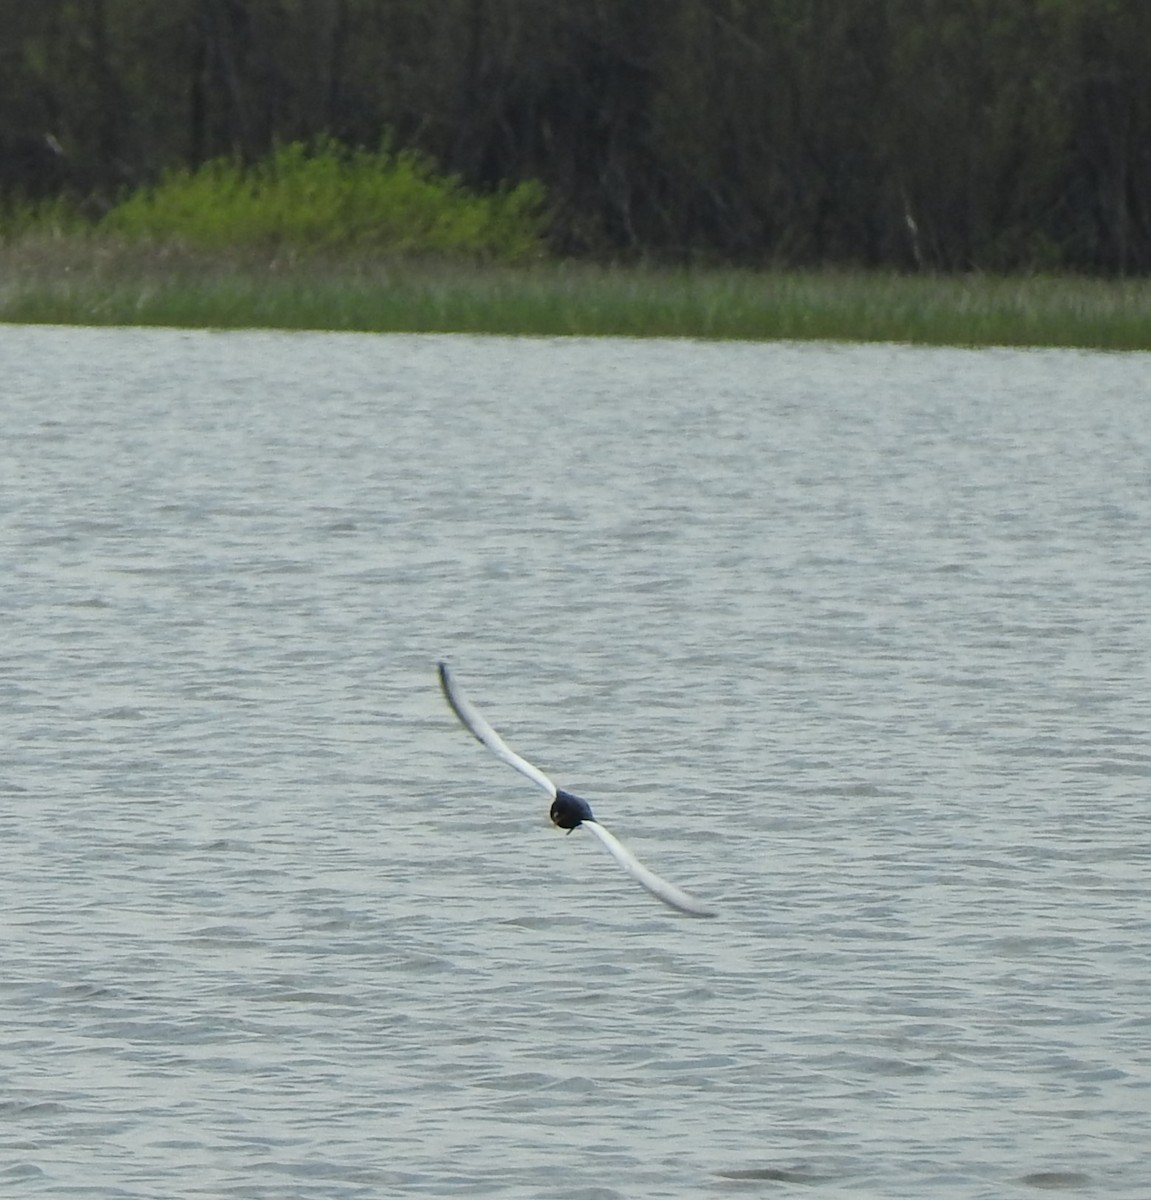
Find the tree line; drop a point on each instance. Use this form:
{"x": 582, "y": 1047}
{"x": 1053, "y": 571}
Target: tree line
{"x": 942, "y": 135}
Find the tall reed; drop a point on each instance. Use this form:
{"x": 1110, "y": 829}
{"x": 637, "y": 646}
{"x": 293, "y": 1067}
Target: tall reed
{"x": 101, "y": 281}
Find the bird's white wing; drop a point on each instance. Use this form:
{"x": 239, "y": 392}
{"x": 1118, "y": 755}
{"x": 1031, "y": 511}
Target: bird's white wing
{"x": 659, "y": 888}
{"x": 483, "y": 732}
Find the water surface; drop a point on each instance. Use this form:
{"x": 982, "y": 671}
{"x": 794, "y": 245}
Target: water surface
{"x": 850, "y": 641}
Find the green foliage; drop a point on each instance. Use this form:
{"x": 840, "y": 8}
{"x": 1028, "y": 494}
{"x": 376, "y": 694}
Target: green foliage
{"x": 927, "y": 135}
{"x": 328, "y": 198}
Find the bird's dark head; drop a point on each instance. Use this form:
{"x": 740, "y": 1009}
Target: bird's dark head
{"x": 568, "y": 810}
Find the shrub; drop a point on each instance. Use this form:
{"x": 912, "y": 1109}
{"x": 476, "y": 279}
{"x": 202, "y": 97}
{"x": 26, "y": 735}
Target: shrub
{"x": 330, "y": 198}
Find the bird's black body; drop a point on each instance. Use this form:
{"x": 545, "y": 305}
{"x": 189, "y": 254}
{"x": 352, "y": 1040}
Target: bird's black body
{"x": 568, "y": 810}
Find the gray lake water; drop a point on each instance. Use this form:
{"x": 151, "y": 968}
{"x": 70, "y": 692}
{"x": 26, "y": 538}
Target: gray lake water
{"x": 852, "y": 642}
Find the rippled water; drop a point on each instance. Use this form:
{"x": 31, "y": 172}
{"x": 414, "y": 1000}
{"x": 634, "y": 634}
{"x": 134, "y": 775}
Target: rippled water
{"x": 852, "y": 642}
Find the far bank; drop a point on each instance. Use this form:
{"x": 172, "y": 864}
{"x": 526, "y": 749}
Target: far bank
{"x": 84, "y": 280}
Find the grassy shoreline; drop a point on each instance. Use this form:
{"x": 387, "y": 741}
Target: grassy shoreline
{"x": 88, "y": 281}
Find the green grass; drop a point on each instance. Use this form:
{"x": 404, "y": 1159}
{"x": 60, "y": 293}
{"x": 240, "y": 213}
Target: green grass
{"x": 87, "y": 280}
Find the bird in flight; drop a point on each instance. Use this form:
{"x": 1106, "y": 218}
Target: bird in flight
{"x": 568, "y": 811}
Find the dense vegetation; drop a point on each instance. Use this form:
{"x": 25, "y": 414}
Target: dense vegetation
{"x": 326, "y": 198}
{"x": 105, "y": 281}
{"x": 937, "y": 134}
